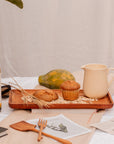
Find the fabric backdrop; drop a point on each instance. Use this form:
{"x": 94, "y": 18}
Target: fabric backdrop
{"x": 52, "y": 34}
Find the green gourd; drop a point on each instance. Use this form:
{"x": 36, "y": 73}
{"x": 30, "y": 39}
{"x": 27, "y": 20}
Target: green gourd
{"x": 55, "y": 78}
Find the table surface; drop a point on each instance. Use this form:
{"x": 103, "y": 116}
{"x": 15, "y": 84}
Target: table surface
{"x": 30, "y": 82}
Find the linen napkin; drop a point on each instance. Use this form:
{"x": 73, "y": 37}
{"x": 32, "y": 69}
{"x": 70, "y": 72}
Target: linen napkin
{"x": 107, "y": 126}
{"x": 16, "y": 137}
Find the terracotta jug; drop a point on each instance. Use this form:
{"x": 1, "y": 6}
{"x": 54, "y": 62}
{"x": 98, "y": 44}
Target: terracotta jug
{"x": 95, "y": 83}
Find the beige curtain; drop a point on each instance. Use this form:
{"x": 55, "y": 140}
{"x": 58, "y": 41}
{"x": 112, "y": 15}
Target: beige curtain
{"x": 52, "y": 34}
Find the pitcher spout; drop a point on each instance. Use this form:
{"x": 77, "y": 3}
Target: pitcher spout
{"x": 83, "y": 67}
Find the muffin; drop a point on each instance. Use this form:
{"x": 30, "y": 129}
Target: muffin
{"x": 70, "y": 90}
{"x": 46, "y": 95}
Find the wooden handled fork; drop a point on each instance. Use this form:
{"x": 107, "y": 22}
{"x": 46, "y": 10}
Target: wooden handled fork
{"x": 42, "y": 124}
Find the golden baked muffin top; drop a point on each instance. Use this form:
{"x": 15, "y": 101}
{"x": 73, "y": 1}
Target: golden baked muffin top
{"x": 70, "y": 85}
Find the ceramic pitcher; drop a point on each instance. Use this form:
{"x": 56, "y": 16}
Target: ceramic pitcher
{"x": 95, "y": 83}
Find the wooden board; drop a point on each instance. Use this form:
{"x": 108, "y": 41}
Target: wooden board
{"x": 16, "y": 102}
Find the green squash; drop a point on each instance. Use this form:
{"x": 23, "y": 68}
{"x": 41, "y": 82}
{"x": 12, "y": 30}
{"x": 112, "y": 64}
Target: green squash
{"x": 55, "y": 78}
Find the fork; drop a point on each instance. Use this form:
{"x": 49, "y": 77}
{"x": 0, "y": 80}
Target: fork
{"x": 42, "y": 124}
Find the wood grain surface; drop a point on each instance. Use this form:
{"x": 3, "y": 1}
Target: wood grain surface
{"x": 16, "y": 102}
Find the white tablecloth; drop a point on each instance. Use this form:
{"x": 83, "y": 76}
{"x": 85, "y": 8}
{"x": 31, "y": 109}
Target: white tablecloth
{"x": 30, "y": 82}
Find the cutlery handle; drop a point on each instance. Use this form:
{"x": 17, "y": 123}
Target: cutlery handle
{"x": 56, "y": 138}
{"x": 40, "y": 133}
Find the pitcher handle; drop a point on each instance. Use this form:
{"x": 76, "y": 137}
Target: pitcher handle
{"x": 112, "y": 79}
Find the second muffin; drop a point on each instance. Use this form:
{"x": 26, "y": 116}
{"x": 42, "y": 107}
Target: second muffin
{"x": 70, "y": 90}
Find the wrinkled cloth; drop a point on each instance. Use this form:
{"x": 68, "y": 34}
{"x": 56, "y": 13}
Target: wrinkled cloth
{"x": 17, "y": 137}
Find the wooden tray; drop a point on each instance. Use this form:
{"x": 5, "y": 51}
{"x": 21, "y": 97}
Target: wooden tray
{"x": 16, "y": 102}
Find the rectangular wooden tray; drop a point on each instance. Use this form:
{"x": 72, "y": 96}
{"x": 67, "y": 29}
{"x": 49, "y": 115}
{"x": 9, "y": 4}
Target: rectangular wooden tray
{"x": 16, "y": 102}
